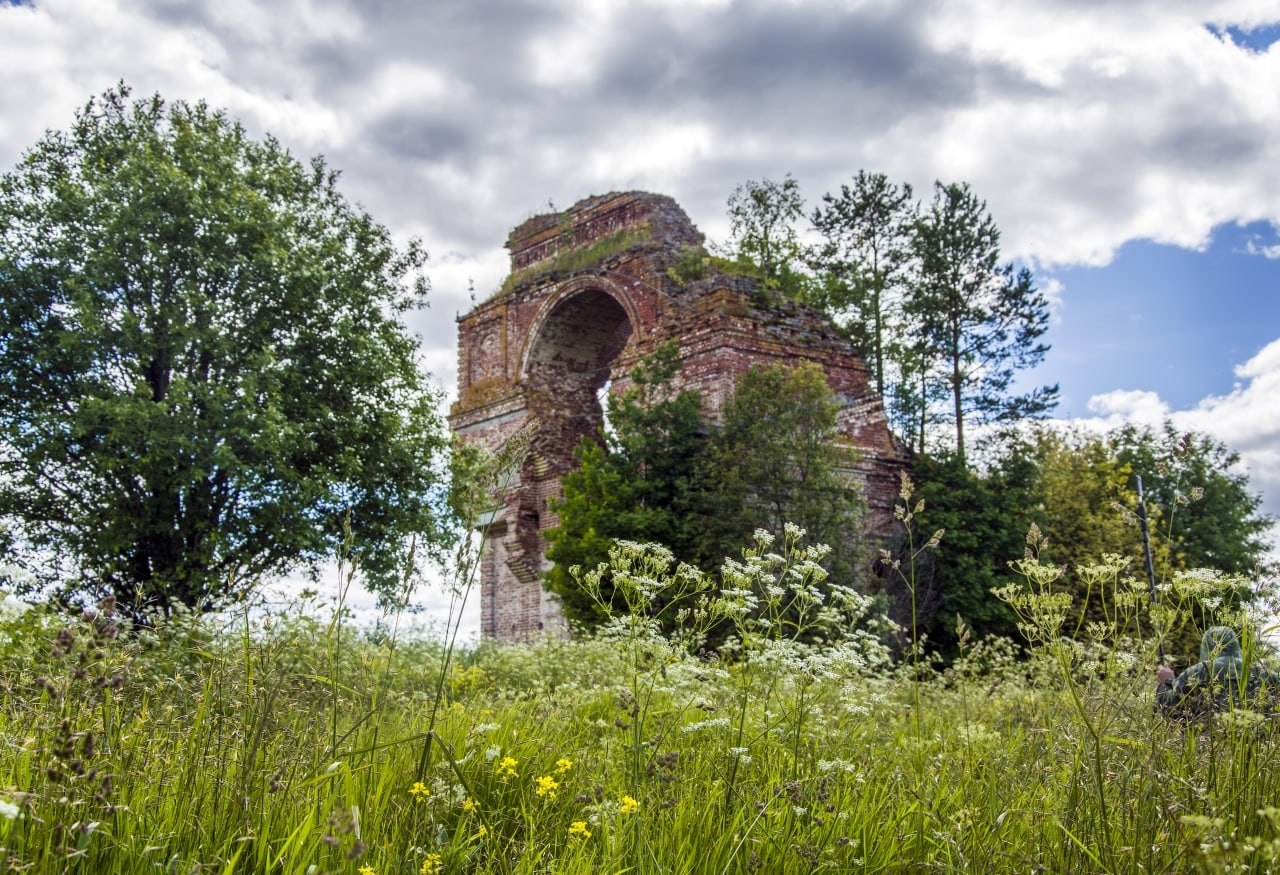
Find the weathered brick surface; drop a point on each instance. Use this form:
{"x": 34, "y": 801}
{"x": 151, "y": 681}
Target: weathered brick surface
{"x": 538, "y": 352}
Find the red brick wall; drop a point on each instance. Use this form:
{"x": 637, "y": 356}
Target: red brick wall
{"x": 536, "y": 353}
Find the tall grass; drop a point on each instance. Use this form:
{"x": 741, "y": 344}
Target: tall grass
{"x": 290, "y": 744}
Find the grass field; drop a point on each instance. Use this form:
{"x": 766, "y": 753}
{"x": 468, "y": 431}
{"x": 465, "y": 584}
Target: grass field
{"x": 291, "y": 744}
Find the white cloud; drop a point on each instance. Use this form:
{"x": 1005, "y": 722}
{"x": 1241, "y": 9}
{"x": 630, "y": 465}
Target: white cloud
{"x": 1127, "y": 405}
{"x": 1248, "y": 420}
{"x": 1083, "y": 125}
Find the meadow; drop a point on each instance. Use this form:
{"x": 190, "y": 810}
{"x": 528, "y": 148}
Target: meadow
{"x": 288, "y": 743}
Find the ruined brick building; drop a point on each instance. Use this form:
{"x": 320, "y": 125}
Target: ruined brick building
{"x": 591, "y": 291}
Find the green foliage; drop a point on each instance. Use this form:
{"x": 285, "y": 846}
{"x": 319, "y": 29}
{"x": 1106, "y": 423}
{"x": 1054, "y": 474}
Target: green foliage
{"x": 203, "y": 362}
{"x": 777, "y": 458}
{"x": 1077, "y": 490}
{"x": 764, "y": 240}
{"x": 985, "y": 518}
{"x": 864, "y": 265}
{"x": 944, "y": 326}
{"x": 692, "y": 263}
{"x": 1209, "y": 515}
{"x": 661, "y": 474}
{"x": 570, "y": 259}
{"x": 284, "y": 744}
{"x": 984, "y": 319}
{"x": 641, "y": 484}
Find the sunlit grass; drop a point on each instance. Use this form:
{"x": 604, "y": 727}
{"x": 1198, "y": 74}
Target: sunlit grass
{"x": 289, "y": 744}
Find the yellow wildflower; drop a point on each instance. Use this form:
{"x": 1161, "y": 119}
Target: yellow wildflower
{"x": 547, "y": 787}
{"x": 366, "y": 870}
{"x": 563, "y": 765}
{"x": 432, "y": 864}
{"x": 578, "y": 829}
{"x": 419, "y": 791}
{"x": 507, "y": 767}
{"x": 469, "y": 805}
{"x": 628, "y": 805}
{"x": 481, "y": 831}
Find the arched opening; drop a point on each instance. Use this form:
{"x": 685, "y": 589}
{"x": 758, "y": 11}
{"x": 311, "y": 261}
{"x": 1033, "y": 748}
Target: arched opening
{"x": 569, "y": 365}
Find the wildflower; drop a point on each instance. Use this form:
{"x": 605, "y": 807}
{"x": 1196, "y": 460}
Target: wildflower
{"x": 578, "y": 829}
{"x": 507, "y": 767}
{"x": 547, "y": 787}
{"x": 563, "y": 765}
{"x": 432, "y": 864}
{"x": 366, "y": 870}
{"x": 419, "y": 791}
{"x": 628, "y": 805}
{"x": 9, "y": 811}
{"x": 469, "y": 805}
{"x": 713, "y": 723}
{"x": 481, "y": 832}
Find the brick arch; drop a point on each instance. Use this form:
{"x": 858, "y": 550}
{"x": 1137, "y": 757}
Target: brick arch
{"x": 566, "y": 295}
{"x": 591, "y": 291}
{"x": 571, "y": 351}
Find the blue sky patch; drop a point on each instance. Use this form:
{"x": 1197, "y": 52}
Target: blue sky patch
{"x": 1257, "y": 39}
{"x": 1171, "y": 320}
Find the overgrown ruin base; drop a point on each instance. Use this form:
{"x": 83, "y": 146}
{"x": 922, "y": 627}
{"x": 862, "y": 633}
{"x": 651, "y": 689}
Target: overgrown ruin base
{"x": 592, "y": 290}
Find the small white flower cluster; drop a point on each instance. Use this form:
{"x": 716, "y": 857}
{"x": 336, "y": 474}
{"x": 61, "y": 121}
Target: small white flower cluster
{"x": 836, "y": 766}
{"x": 702, "y": 725}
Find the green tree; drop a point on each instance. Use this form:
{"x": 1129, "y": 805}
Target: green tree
{"x": 985, "y": 319}
{"x": 203, "y": 362}
{"x": 985, "y": 516}
{"x": 1084, "y": 501}
{"x": 637, "y": 480}
{"x": 864, "y": 264}
{"x": 1210, "y": 517}
{"x": 777, "y": 458}
{"x": 1078, "y": 488}
{"x": 661, "y": 473}
{"x": 763, "y": 235}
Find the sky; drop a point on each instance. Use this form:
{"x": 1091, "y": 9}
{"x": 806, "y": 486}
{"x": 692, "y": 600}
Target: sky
{"x": 1127, "y": 151}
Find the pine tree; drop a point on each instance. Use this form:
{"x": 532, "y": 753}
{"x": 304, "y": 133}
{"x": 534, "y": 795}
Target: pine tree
{"x": 865, "y": 264}
{"x": 984, "y": 319}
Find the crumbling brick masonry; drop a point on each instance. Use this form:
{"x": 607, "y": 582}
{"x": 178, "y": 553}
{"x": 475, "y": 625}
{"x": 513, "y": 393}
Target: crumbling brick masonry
{"x": 591, "y": 291}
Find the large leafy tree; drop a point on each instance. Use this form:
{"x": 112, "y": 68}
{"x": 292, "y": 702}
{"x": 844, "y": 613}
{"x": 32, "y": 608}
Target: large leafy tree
{"x": 203, "y": 366}
{"x": 1078, "y": 488}
{"x": 984, "y": 517}
{"x": 1209, "y": 517}
{"x": 662, "y": 473}
{"x": 777, "y": 458}
{"x": 985, "y": 319}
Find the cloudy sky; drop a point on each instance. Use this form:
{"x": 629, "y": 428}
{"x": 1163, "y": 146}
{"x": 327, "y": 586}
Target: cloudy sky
{"x": 1128, "y": 151}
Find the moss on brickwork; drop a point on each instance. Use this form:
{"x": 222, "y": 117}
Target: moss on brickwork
{"x": 572, "y": 260}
